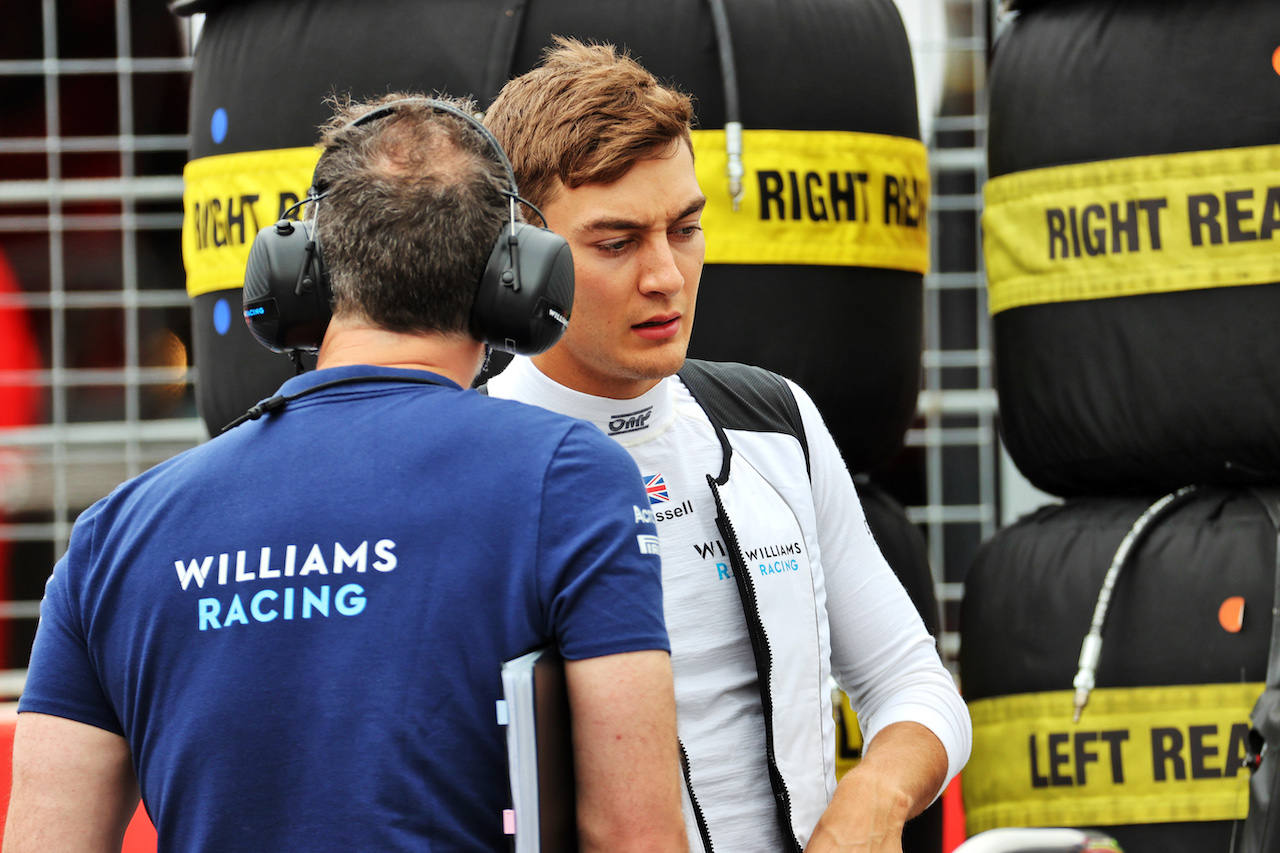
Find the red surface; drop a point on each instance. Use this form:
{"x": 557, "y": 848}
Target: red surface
{"x": 19, "y": 405}
{"x": 953, "y": 831}
{"x": 141, "y": 835}
{"x": 18, "y": 402}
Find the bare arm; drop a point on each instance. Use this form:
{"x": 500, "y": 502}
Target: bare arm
{"x": 73, "y": 788}
{"x": 626, "y": 755}
{"x": 898, "y": 777}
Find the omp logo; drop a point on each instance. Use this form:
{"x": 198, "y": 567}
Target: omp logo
{"x": 630, "y": 421}
{"x": 648, "y": 543}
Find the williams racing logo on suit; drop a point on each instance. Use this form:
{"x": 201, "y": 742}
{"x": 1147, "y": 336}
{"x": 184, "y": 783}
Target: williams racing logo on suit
{"x": 762, "y": 561}
{"x": 774, "y": 559}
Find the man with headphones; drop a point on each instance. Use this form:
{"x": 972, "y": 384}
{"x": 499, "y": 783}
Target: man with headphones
{"x": 291, "y": 637}
{"x": 772, "y": 581}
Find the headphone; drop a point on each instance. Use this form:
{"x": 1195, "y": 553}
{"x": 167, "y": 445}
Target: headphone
{"x": 523, "y": 298}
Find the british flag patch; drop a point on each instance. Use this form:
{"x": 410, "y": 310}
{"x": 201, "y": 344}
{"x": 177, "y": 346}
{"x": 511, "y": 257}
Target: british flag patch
{"x": 657, "y": 489}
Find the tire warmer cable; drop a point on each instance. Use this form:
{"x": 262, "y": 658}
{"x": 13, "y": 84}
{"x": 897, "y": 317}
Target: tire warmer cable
{"x": 1091, "y": 649}
{"x": 732, "y": 112}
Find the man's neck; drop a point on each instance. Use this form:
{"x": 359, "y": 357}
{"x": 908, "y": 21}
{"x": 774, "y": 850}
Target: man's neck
{"x": 630, "y": 420}
{"x": 573, "y": 377}
{"x": 454, "y": 356}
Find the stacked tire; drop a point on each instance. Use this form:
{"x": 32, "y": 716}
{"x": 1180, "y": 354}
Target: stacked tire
{"x": 1130, "y": 235}
{"x": 1155, "y": 758}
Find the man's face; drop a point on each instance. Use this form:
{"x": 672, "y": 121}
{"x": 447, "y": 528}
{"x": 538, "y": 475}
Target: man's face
{"x": 637, "y": 257}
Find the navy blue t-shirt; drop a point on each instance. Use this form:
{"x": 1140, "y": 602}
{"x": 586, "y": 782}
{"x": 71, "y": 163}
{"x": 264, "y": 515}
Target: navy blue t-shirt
{"x": 298, "y": 626}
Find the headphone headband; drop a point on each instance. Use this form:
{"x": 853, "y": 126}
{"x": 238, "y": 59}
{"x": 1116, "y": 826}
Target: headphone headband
{"x": 383, "y": 110}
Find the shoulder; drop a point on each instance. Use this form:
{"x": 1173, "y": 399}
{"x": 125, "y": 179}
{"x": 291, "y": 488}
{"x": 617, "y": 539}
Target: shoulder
{"x": 744, "y": 397}
{"x": 749, "y": 399}
{"x": 741, "y": 396}
{"x": 586, "y": 448}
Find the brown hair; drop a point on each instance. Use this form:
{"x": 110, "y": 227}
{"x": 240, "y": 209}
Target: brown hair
{"x": 415, "y": 201}
{"x": 584, "y": 116}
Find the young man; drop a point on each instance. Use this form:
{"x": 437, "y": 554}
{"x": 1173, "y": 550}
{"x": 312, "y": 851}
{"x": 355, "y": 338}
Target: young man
{"x": 290, "y": 637}
{"x": 772, "y": 581}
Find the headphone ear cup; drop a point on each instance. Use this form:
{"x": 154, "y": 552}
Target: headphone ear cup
{"x": 524, "y": 307}
{"x": 287, "y": 299}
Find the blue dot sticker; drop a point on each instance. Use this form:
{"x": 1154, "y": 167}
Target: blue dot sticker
{"x": 218, "y": 126}
{"x": 222, "y": 316}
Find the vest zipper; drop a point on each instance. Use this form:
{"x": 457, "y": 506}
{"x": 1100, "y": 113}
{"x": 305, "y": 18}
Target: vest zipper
{"x": 764, "y": 662}
{"x": 698, "y": 816}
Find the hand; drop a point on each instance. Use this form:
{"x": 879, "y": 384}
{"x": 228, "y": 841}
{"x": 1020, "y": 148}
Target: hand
{"x": 902, "y": 770}
{"x": 866, "y": 815}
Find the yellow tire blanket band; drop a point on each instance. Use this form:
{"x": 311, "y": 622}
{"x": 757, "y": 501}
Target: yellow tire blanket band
{"x": 848, "y": 734}
{"x": 832, "y": 198}
{"x": 1139, "y": 755}
{"x": 829, "y": 197}
{"x": 226, "y": 200}
{"x": 1133, "y": 226}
